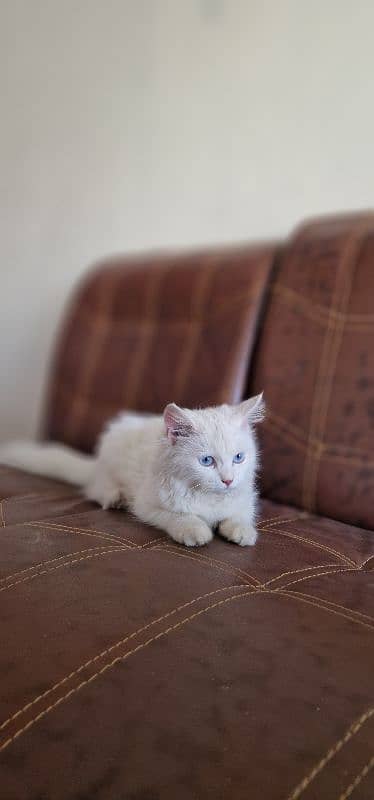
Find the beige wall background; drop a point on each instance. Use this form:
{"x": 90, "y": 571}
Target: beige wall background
{"x": 133, "y": 124}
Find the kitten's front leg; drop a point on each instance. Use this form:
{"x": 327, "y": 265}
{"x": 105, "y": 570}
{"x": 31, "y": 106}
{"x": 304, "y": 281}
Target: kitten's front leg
{"x": 185, "y": 529}
{"x": 238, "y": 530}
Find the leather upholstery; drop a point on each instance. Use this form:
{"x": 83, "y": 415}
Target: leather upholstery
{"x": 315, "y": 363}
{"x": 135, "y": 668}
{"x": 141, "y": 333}
{"x": 132, "y": 668}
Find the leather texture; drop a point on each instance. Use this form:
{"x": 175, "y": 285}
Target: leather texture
{"x": 143, "y": 332}
{"x": 315, "y": 363}
{"x": 135, "y": 668}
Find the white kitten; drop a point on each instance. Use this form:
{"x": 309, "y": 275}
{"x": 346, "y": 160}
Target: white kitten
{"x": 186, "y": 472}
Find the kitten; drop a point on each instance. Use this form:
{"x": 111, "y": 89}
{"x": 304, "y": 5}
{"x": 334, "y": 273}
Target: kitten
{"x": 186, "y": 472}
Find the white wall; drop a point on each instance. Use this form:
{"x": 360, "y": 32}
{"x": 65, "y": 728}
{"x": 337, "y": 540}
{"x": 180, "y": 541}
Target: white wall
{"x": 130, "y": 124}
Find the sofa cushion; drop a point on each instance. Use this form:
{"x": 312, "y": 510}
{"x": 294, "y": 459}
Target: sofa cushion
{"x": 142, "y": 332}
{"x": 132, "y": 667}
{"x": 315, "y": 364}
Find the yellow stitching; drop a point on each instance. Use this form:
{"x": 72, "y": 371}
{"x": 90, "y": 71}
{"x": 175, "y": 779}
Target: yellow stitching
{"x": 81, "y": 531}
{"x": 213, "y": 562}
{"x": 319, "y": 546}
{"x": 111, "y": 664}
{"x": 366, "y": 561}
{"x": 50, "y": 561}
{"x": 357, "y": 780}
{"x": 325, "y": 394}
{"x": 293, "y": 430}
{"x": 59, "y": 566}
{"x": 330, "y": 550}
{"x": 114, "y": 647}
{"x": 2, "y": 514}
{"x": 295, "y": 571}
{"x": 71, "y": 528}
{"x": 319, "y": 575}
{"x": 319, "y": 313}
{"x": 96, "y": 342}
{"x": 301, "y": 597}
{"x": 230, "y": 570}
{"x": 152, "y": 541}
{"x": 241, "y": 299}
{"x": 354, "y": 728}
{"x": 327, "y": 368}
{"x": 337, "y": 605}
{"x": 225, "y": 564}
{"x": 316, "y": 445}
{"x": 281, "y": 520}
{"x": 106, "y": 667}
{"x": 200, "y": 292}
{"x": 152, "y": 293}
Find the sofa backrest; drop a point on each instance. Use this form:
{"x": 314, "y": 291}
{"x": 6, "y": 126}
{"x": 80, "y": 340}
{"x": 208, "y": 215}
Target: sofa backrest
{"x": 315, "y": 363}
{"x": 142, "y": 332}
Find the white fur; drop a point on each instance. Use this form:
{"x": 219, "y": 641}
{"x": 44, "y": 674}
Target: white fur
{"x": 150, "y": 465}
{"x": 48, "y": 459}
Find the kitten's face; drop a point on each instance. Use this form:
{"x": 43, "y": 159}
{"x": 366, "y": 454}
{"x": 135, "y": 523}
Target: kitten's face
{"x": 213, "y": 449}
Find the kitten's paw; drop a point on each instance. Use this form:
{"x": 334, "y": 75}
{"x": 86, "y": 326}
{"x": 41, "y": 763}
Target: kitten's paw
{"x": 238, "y": 532}
{"x": 195, "y": 536}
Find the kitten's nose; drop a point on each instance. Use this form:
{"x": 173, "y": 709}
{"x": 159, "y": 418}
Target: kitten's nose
{"x": 227, "y": 482}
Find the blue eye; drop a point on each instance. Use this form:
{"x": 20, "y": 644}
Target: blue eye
{"x": 206, "y": 461}
{"x": 238, "y": 458}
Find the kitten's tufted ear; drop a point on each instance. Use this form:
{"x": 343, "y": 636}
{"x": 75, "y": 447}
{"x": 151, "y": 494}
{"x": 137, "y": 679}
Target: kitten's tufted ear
{"x": 253, "y": 409}
{"x": 177, "y": 422}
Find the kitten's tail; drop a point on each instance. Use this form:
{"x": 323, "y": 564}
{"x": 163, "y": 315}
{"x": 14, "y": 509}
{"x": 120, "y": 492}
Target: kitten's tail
{"x": 48, "y": 459}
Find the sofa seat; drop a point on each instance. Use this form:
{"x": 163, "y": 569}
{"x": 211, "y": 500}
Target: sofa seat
{"x": 135, "y": 669}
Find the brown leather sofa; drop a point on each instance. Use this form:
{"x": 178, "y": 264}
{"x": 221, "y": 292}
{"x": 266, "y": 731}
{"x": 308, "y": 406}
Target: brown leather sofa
{"x": 135, "y": 669}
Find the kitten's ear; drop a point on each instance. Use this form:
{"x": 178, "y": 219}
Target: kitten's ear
{"x": 177, "y": 423}
{"x": 253, "y": 410}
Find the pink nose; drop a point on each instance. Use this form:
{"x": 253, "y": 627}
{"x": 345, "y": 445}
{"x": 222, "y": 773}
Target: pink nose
{"x": 228, "y": 482}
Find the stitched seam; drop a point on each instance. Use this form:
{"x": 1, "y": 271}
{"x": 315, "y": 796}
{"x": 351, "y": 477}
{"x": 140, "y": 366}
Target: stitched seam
{"x": 331, "y": 349}
{"x": 200, "y": 294}
{"x": 280, "y": 520}
{"x": 319, "y": 575}
{"x": 152, "y": 541}
{"x": 295, "y": 571}
{"x": 297, "y": 596}
{"x": 367, "y": 561}
{"x": 215, "y": 563}
{"x": 316, "y": 402}
{"x": 357, "y": 780}
{"x": 353, "y": 729}
{"x": 15, "y": 498}
{"x": 318, "y": 313}
{"x": 141, "y": 352}
{"x": 111, "y": 664}
{"x": 330, "y": 549}
{"x": 121, "y": 323}
{"x": 319, "y": 546}
{"x": 64, "y": 564}
{"x": 74, "y": 529}
{"x": 298, "y": 441}
{"x": 50, "y": 561}
{"x": 116, "y": 645}
{"x": 227, "y": 569}
{"x": 336, "y": 605}
{"x": 82, "y": 531}
{"x": 323, "y": 412}
{"x": 94, "y": 347}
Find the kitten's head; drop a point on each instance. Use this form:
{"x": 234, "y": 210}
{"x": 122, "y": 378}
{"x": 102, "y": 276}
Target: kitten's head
{"x": 213, "y": 449}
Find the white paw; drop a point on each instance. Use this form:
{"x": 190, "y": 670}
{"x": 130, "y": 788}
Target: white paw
{"x": 237, "y": 532}
{"x": 198, "y": 534}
